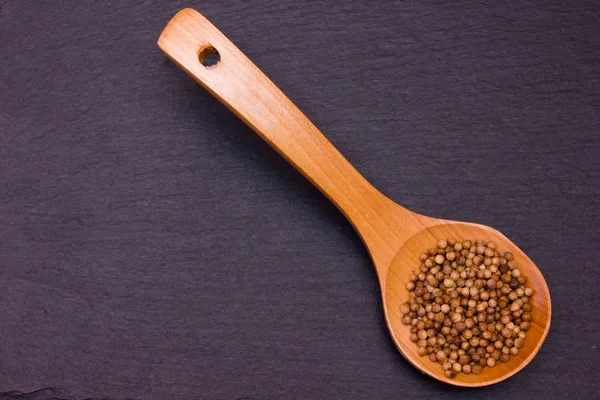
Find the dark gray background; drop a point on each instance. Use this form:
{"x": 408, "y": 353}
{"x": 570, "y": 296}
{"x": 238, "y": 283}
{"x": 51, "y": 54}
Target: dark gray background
{"x": 153, "y": 247}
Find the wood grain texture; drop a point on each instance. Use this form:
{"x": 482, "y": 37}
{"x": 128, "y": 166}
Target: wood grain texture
{"x": 154, "y": 247}
{"x": 246, "y": 91}
{"x": 393, "y": 235}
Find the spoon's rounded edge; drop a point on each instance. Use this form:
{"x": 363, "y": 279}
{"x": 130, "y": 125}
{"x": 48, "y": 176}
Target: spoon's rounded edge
{"x": 491, "y": 375}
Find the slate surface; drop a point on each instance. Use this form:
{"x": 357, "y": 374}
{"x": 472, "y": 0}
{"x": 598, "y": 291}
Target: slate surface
{"x": 153, "y": 247}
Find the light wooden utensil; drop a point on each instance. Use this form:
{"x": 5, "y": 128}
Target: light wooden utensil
{"x": 393, "y": 235}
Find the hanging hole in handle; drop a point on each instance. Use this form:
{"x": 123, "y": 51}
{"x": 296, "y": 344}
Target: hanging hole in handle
{"x": 209, "y": 56}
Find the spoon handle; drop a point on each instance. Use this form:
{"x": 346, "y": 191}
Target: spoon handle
{"x": 246, "y": 91}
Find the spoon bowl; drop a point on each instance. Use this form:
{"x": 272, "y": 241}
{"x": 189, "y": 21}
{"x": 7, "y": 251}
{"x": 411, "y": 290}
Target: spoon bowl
{"x": 394, "y": 294}
{"x": 393, "y": 235}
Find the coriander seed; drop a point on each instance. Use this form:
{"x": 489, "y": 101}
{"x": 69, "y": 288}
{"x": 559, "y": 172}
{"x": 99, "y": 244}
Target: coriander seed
{"x": 468, "y": 306}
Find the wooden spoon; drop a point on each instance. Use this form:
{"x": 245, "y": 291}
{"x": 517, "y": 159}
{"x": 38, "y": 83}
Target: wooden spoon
{"x": 393, "y": 235}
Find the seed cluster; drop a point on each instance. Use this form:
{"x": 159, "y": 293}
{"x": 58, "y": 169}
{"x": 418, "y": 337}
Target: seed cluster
{"x": 468, "y": 306}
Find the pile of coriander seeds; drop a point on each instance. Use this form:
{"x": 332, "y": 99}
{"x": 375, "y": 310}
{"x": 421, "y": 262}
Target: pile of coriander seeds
{"x": 468, "y": 306}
